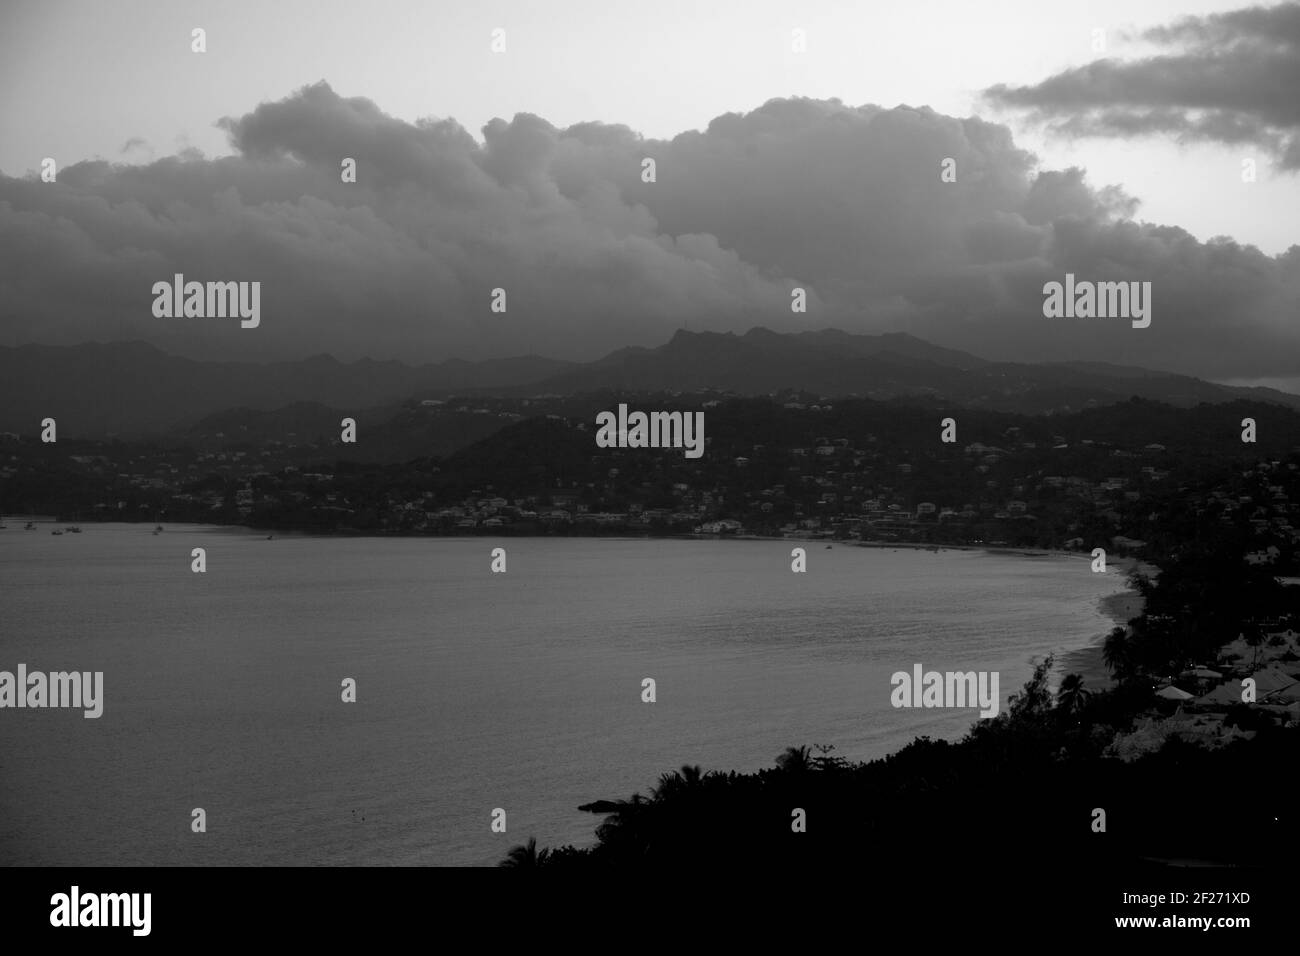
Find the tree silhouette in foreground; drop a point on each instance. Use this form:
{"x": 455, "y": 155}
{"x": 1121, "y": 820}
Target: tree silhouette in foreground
{"x": 526, "y": 856}
{"x": 1072, "y": 696}
{"x": 1015, "y": 785}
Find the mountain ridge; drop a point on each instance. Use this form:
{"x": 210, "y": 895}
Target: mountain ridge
{"x": 133, "y": 389}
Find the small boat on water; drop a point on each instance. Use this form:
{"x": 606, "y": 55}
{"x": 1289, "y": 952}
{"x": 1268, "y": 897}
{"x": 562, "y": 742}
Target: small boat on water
{"x": 31, "y": 526}
{"x": 73, "y": 529}
{"x": 56, "y": 531}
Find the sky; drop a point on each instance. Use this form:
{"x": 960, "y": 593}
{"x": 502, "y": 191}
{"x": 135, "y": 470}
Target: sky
{"x": 539, "y": 146}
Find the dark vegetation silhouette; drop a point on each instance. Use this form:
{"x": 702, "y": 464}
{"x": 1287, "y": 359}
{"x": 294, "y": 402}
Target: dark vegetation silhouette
{"x": 1021, "y": 789}
{"x": 1018, "y": 786}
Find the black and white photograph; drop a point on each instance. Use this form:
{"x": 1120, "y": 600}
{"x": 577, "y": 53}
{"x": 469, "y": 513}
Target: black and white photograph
{"x": 808, "y": 442}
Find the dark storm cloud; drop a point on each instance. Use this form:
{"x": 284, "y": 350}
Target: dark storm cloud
{"x": 846, "y": 202}
{"x": 1231, "y": 78}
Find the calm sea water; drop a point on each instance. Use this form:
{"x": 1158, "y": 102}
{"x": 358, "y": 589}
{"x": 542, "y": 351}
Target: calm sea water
{"x": 475, "y": 690}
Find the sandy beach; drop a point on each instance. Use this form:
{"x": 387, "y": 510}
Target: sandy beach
{"x": 1120, "y": 607}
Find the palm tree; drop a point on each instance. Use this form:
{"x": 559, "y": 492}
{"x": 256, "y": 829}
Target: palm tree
{"x": 794, "y": 760}
{"x": 623, "y": 821}
{"x": 1117, "y": 652}
{"x": 1071, "y": 696}
{"x": 526, "y": 855}
{"x": 688, "y": 777}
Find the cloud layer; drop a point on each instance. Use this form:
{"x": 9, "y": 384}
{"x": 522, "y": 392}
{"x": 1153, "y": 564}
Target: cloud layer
{"x": 1231, "y": 78}
{"x": 846, "y": 202}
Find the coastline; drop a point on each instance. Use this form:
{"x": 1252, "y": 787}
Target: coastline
{"x": 1120, "y": 607}
{"x": 1087, "y": 661}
